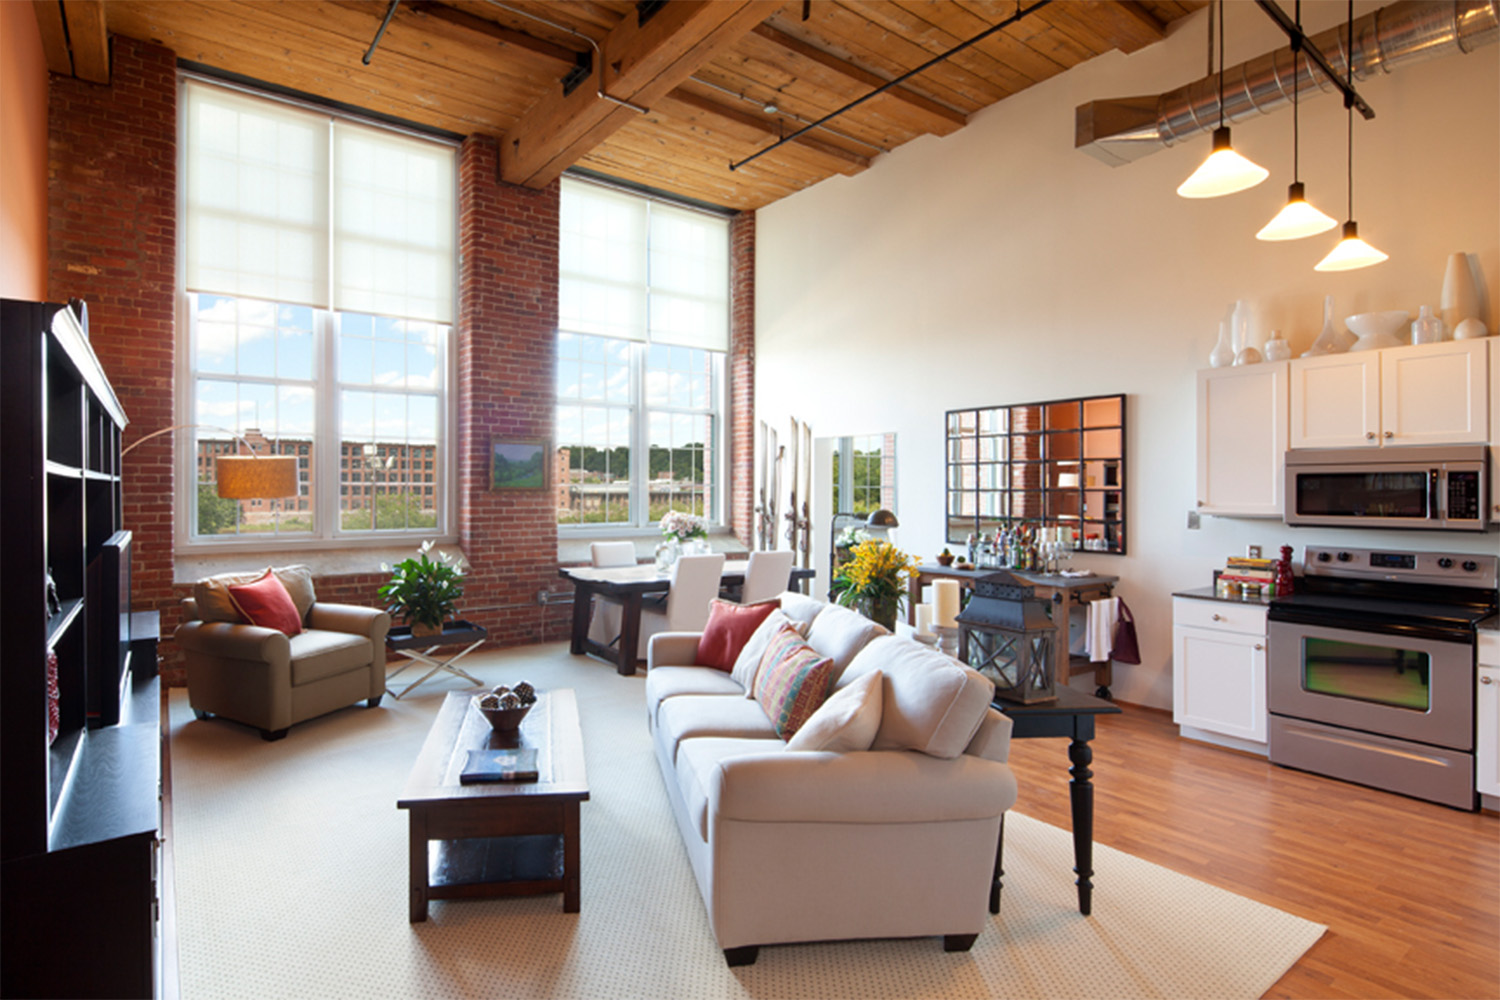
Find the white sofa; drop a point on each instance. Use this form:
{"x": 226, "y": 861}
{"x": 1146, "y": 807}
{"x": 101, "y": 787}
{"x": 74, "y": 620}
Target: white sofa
{"x": 895, "y": 841}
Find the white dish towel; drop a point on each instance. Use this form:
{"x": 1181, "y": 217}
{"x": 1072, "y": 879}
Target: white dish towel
{"x": 1099, "y": 637}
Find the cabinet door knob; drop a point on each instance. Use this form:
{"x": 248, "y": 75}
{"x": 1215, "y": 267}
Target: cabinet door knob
{"x": 1486, "y": 679}
{"x": 1259, "y": 646}
{"x": 1390, "y": 434}
{"x": 1218, "y": 618}
{"x": 1369, "y": 435}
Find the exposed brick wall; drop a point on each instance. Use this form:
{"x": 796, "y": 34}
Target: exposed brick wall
{"x": 112, "y": 241}
{"x": 507, "y": 330}
{"x": 741, "y": 365}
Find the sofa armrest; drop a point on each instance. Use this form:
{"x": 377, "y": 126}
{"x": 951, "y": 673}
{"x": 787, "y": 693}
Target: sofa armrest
{"x": 673, "y": 649}
{"x": 992, "y": 741}
{"x": 234, "y": 642}
{"x": 877, "y": 786}
{"x": 351, "y": 618}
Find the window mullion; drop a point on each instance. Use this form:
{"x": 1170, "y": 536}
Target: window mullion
{"x": 327, "y": 479}
{"x": 640, "y": 454}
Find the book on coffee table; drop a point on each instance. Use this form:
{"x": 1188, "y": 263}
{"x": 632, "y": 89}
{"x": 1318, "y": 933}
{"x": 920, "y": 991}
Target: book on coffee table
{"x": 518, "y": 764}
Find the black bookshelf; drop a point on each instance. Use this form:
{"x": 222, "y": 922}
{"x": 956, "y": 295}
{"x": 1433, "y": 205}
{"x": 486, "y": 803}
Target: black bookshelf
{"x": 80, "y": 814}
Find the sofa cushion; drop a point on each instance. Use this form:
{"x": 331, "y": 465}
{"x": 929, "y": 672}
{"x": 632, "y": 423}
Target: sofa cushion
{"x": 697, "y": 759}
{"x": 317, "y": 654}
{"x": 792, "y": 682}
{"x": 747, "y": 664}
{"x": 265, "y": 602}
{"x": 692, "y": 715}
{"x": 729, "y": 627}
{"x": 840, "y": 633}
{"x": 847, "y": 722}
{"x": 932, "y": 703}
{"x": 801, "y": 608}
{"x": 669, "y": 682}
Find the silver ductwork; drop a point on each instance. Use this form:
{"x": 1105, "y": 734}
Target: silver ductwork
{"x": 1120, "y": 130}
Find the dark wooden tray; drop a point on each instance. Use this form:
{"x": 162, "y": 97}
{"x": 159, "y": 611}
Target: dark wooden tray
{"x": 400, "y": 636}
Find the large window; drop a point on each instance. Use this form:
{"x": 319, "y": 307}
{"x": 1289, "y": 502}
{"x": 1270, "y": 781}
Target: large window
{"x": 643, "y": 308}
{"x": 319, "y": 263}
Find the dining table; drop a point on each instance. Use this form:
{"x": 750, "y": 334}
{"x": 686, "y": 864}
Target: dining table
{"x": 629, "y": 586}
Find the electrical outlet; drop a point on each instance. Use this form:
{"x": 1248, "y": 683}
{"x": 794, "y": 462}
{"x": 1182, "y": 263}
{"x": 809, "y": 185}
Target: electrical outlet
{"x": 1252, "y": 551}
{"x": 1194, "y": 520}
{"x": 541, "y": 597}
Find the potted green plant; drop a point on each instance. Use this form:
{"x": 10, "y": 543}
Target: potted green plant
{"x": 874, "y": 581}
{"x": 423, "y": 591}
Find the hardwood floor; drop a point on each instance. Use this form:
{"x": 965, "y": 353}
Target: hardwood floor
{"x": 1410, "y": 891}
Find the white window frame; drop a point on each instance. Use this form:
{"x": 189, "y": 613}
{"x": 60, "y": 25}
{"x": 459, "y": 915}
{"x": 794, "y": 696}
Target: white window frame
{"x": 325, "y": 470}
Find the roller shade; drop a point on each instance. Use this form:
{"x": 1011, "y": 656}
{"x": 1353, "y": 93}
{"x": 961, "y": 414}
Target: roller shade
{"x": 261, "y": 224}
{"x": 639, "y": 269}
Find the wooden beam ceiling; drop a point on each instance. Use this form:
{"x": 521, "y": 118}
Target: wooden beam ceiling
{"x": 719, "y": 79}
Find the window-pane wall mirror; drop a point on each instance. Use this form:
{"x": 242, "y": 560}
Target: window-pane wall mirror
{"x": 1054, "y": 464}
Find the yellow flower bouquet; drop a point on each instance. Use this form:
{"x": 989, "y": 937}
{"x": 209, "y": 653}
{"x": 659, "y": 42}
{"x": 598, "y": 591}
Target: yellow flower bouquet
{"x": 874, "y": 580}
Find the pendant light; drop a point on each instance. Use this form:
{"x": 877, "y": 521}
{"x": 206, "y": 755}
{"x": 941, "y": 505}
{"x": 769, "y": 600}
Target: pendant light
{"x": 1351, "y": 252}
{"x": 1297, "y": 218}
{"x": 1225, "y": 171}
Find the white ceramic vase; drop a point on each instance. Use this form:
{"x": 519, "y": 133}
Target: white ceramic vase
{"x": 1277, "y": 349}
{"x": 1460, "y": 293}
{"x": 1222, "y": 356}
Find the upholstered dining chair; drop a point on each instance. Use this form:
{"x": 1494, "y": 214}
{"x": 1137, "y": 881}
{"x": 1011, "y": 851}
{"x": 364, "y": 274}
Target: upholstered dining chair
{"x": 604, "y": 626}
{"x": 695, "y": 583}
{"x": 768, "y": 574}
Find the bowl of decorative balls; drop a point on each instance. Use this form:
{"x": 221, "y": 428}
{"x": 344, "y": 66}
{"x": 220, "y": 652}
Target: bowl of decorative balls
{"x": 504, "y": 707}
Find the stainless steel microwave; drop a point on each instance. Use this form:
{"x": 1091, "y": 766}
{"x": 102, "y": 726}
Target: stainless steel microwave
{"x": 1442, "y": 487}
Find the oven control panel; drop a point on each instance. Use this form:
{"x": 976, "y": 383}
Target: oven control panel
{"x": 1460, "y": 569}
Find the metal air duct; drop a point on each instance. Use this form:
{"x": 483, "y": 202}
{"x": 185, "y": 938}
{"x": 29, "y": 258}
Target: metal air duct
{"x": 1121, "y": 130}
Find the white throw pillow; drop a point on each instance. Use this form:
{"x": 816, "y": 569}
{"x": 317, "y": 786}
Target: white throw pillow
{"x": 747, "y": 664}
{"x": 845, "y": 723}
{"x": 839, "y": 633}
{"x": 800, "y": 608}
{"x": 932, "y": 703}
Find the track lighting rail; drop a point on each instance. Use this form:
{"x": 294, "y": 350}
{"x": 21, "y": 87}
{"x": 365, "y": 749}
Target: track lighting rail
{"x": 1315, "y": 56}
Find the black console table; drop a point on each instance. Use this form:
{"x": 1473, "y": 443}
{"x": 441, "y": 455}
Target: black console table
{"x": 419, "y": 649}
{"x": 1071, "y": 716}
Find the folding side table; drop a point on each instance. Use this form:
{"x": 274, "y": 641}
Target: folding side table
{"x": 419, "y": 649}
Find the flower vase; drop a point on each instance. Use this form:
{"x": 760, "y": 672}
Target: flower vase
{"x": 882, "y": 610}
{"x": 1222, "y": 356}
{"x": 1460, "y": 295}
{"x": 1329, "y": 341}
{"x": 424, "y": 629}
{"x": 666, "y": 554}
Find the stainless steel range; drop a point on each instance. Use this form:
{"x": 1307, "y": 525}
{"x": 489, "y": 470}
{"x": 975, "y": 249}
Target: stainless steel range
{"x": 1371, "y": 669}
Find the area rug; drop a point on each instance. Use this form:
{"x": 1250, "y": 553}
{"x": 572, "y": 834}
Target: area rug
{"x": 291, "y": 882}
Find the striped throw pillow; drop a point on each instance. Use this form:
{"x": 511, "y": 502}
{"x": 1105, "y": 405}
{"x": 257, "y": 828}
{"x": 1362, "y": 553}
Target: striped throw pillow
{"x": 792, "y": 682}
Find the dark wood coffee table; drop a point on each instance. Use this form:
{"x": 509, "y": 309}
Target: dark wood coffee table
{"x": 500, "y": 838}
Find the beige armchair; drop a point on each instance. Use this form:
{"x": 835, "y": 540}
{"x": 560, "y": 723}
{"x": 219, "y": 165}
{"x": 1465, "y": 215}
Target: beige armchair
{"x": 263, "y": 678}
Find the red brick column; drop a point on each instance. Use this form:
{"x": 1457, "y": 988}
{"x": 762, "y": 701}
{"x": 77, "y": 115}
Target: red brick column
{"x": 741, "y": 374}
{"x": 507, "y": 359}
{"x": 112, "y": 241}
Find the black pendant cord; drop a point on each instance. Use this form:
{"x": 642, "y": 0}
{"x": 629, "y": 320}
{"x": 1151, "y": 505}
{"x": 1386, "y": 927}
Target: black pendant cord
{"x": 1296, "y": 81}
{"x": 1349, "y": 107}
{"x": 1221, "y": 63}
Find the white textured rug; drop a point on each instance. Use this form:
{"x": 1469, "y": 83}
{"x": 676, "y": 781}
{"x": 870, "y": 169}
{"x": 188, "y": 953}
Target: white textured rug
{"x": 291, "y": 882}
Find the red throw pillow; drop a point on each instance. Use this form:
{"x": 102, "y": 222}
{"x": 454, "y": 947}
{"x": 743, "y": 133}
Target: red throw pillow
{"x": 265, "y": 602}
{"x": 728, "y": 629}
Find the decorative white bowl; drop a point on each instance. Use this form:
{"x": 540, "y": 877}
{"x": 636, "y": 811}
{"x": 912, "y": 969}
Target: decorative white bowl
{"x": 1378, "y": 329}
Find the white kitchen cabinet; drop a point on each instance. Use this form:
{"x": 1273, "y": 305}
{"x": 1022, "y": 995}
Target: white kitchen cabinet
{"x": 1487, "y": 716}
{"x": 1242, "y": 439}
{"x": 1495, "y": 433}
{"x": 1219, "y": 667}
{"x": 1422, "y": 394}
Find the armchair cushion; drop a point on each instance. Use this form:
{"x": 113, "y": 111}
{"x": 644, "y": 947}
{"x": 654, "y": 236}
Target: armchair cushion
{"x": 265, "y": 602}
{"x": 317, "y": 654}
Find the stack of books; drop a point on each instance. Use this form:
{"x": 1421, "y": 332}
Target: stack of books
{"x": 1242, "y": 573}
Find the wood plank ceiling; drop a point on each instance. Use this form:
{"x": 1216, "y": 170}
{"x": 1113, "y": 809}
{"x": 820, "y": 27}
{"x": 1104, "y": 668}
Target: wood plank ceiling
{"x": 712, "y": 81}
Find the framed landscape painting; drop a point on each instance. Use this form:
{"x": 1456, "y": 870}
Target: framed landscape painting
{"x": 518, "y": 465}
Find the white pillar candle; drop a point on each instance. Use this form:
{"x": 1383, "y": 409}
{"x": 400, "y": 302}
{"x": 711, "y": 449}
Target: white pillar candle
{"x": 945, "y": 603}
{"x": 924, "y": 619}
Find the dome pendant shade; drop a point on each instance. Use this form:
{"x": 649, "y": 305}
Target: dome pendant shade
{"x": 1224, "y": 172}
{"x": 1297, "y": 219}
{"x": 1351, "y": 253}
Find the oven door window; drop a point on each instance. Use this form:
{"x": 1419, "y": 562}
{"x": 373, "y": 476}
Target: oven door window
{"x": 1400, "y": 678}
{"x": 1363, "y": 494}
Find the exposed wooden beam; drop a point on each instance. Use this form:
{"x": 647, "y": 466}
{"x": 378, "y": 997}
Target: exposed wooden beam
{"x": 49, "y": 19}
{"x": 554, "y": 57}
{"x": 1125, "y": 22}
{"x": 743, "y": 118}
{"x": 641, "y": 62}
{"x": 859, "y": 74}
{"x": 88, "y": 39}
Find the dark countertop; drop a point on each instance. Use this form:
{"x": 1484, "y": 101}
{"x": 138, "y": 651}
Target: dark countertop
{"x": 1208, "y": 594}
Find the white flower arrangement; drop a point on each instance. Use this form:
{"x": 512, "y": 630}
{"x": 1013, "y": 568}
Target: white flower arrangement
{"x": 850, "y": 537}
{"x": 683, "y": 526}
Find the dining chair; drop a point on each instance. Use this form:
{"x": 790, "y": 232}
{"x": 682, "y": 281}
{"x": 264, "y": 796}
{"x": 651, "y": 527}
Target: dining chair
{"x": 604, "y": 627}
{"x": 768, "y": 575}
{"x": 695, "y": 583}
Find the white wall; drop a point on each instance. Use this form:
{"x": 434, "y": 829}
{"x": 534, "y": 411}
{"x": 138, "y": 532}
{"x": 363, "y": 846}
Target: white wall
{"x": 1001, "y": 265}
